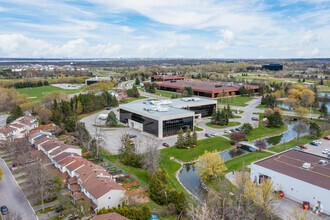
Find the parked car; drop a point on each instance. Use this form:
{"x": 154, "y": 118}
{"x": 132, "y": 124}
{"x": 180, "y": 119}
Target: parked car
{"x": 4, "y": 210}
{"x": 165, "y": 145}
{"x": 132, "y": 136}
{"x": 313, "y": 143}
{"x": 303, "y": 146}
{"x": 237, "y": 129}
{"x": 109, "y": 108}
{"x": 227, "y": 131}
{"x": 208, "y": 135}
{"x": 214, "y": 134}
{"x": 59, "y": 209}
{"x": 326, "y": 138}
{"x": 232, "y": 130}
{"x": 101, "y": 138}
{"x": 295, "y": 148}
{"x": 325, "y": 151}
{"x": 255, "y": 119}
{"x": 318, "y": 142}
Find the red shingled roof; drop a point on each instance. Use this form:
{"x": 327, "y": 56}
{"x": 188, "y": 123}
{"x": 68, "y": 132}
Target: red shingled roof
{"x": 110, "y": 216}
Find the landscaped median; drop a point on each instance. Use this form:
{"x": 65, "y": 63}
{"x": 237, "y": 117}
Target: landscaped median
{"x": 230, "y": 124}
{"x": 234, "y": 101}
{"x": 188, "y": 155}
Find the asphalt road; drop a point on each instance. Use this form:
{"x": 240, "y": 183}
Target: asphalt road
{"x": 12, "y": 196}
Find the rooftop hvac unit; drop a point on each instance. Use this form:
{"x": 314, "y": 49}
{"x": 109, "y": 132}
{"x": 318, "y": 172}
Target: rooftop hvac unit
{"x": 306, "y": 165}
{"x": 218, "y": 86}
{"x": 173, "y": 81}
{"x": 323, "y": 162}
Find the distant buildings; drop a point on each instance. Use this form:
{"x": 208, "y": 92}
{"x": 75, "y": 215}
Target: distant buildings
{"x": 273, "y": 67}
{"x": 96, "y": 79}
{"x": 202, "y": 88}
{"x": 300, "y": 175}
{"x": 167, "y": 117}
{"x": 165, "y": 78}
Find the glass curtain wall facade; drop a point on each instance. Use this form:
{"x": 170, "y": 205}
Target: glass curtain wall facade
{"x": 172, "y": 127}
{"x": 149, "y": 125}
{"x": 204, "y": 110}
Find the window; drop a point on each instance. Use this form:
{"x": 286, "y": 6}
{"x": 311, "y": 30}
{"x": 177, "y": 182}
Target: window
{"x": 172, "y": 127}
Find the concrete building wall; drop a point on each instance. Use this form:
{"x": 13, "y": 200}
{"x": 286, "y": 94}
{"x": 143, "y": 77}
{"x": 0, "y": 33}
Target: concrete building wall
{"x": 293, "y": 188}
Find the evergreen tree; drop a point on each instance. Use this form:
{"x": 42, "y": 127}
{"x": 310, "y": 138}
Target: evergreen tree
{"x": 214, "y": 116}
{"x": 194, "y": 138}
{"x": 275, "y": 120}
{"x": 321, "y": 82}
{"x": 137, "y": 81}
{"x": 180, "y": 143}
{"x": 111, "y": 119}
{"x": 314, "y": 130}
{"x": 188, "y": 139}
{"x": 14, "y": 114}
{"x": 57, "y": 115}
{"x": 324, "y": 109}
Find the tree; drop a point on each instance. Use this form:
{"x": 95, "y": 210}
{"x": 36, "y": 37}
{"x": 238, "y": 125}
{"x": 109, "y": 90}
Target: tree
{"x": 247, "y": 128}
{"x": 301, "y": 112}
{"x": 176, "y": 198}
{"x": 157, "y": 186}
{"x": 237, "y": 136}
{"x": 194, "y": 138}
{"x": 298, "y": 214}
{"x": 211, "y": 165}
{"x": 188, "y": 139}
{"x": 14, "y": 114}
{"x": 299, "y": 128}
{"x": 43, "y": 181}
{"x": 260, "y": 144}
{"x": 314, "y": 130}
{"x": 112, "y": 120}
{"x": 44, "y": 114}
{"x": 268, "y": 112}
{"x": 49, "y": 98}
{"x": 127, "y": 152}
{"x": 82, "y": 134}
{"x": 180, "y": 142}
{"x": 275, "y": 120}
{"x": 137, "y": 81}
{"x": 324, "y": 110}
{"x": 150, "y": 159}
{"x": 102, "y": 86}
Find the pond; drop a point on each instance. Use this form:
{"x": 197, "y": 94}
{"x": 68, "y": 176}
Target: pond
{"x": 285, "y": 137}
{"x": 188, "y": 175}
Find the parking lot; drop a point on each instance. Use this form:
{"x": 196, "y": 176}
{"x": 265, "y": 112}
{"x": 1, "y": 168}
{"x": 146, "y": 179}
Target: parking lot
{"x": 318, "y": 149}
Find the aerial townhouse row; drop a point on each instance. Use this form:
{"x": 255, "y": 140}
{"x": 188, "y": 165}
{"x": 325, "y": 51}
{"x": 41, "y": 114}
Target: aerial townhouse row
{"x": 84, "y": 179}
{"x": 18, "y": 128}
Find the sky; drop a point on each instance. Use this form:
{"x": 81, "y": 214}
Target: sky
{"x": 165, "y": 28}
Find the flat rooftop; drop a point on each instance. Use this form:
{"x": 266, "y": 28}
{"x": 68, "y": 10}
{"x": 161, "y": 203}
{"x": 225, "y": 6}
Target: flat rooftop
{"x": 199, "y": 85}
{"x": 156, "y": 110}
{"x": 98, "y": 78}
{"x": 192, "y": 101}
{"x": 290, "y": 163}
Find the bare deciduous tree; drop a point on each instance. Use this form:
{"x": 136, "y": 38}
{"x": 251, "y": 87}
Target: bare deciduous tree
{"x": 150, "y": 159}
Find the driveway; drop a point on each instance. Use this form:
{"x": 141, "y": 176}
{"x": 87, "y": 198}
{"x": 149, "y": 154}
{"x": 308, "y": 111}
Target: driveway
{"x": 12, "y": 196}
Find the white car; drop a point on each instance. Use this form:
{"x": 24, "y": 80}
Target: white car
{"x": 325, "y": 151}
{"x": 101, "y": 138}
{"x": 214, "y": 134}
{"x": 227, "y": 131}
{"x": 318, "y": 142}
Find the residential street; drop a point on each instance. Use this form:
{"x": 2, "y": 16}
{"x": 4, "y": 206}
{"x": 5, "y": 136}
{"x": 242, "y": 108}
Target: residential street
{"x": 12, "y": 196}
{"x": 3, "y": 119}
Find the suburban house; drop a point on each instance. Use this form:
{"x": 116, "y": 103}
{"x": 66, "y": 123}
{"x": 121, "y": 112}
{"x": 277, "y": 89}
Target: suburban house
{"x": 29, "y": 122}
{"x": 7, "y": 133}
{"x": 88, "y": 180}
{"x": 20, "y": 130}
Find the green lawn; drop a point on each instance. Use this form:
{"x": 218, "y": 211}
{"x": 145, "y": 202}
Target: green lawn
{"x": 133, "y": 99}
{"x": 163, "y": 93}
{"x": 198, "y": 128}
{"x": 49, "y": 209}
{"x": 230, "y": 124}
{"x": 237, "y": 101}
{"x": 262, "y": 131}
{"x": 246, "y": 159}
{"x": 209, "y": 144}
{"x": 36, "y": 93}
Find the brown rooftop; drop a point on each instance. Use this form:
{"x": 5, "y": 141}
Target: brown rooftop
{"x": 63, "y": 155}
{"x": 7, "y": 130}
{"x": 108, "y": 216}
{"x": 206, "y": 86}
{"x": 290, "y": 163}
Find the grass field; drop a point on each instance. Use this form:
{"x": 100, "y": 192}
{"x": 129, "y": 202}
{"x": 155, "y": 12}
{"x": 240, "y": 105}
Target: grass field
{"x": 245, "y": 160}
{"x": 209, "y": 144}
{"x": 237, "y": 101}
{"x": 133, "y": 99}
{"x": 198, "y": 128}
{"x": 36, "y": 93}
{"x": 230, "y": 124}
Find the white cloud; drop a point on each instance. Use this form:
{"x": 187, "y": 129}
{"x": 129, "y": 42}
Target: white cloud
{"x": 211, "y": 49}
{"x": 17, "y": 45}
{"x": 309, "y": 37}
{"x": 308, "y": 53}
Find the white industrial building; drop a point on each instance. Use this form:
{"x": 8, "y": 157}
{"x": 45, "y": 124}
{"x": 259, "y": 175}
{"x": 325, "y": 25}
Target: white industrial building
{"x": 300, "y": 175}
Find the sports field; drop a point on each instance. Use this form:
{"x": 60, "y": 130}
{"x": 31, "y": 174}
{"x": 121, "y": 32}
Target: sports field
{"x": 36, "y": 93}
